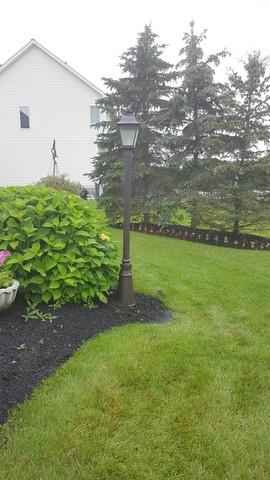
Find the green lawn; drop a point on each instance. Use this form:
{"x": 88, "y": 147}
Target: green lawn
{"x": 185, "y": 400}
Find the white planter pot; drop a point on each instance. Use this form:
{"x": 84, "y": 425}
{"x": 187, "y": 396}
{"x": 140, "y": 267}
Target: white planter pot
{"x": 8, "y": 295}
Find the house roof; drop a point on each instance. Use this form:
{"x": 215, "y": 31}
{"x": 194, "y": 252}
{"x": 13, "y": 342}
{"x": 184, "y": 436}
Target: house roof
{"x": 32, "y": 43}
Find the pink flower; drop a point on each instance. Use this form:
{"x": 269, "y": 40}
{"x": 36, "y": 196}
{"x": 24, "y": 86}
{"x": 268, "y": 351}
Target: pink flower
{"x": 3, "y": 255}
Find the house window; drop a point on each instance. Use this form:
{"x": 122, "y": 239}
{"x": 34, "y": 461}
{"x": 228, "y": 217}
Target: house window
{"x": 94, "y": 114}
{"x": 24, "y": 117}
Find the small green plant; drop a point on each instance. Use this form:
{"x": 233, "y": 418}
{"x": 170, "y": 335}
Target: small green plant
{"x": 33, "y": 313}
{"x": 60, "y": 252}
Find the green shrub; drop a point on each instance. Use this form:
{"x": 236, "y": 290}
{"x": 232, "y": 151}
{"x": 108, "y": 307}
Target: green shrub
{"x": 62, "y": 183}
{"x": 60, "y": 252}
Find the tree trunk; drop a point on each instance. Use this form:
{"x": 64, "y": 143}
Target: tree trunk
{"x": 194, "y": 208}
{"x": 237, "y": 201}
{"x": 236, "y": 206}
{"x": 236, "y": 215}
{"x": 194, "y": 214}
{"x": 145, "y": 153}
{"x": 194, "y": 211}
{"x": 194, "y": 221}
{"x": 146, "y": 217}
{"x": 236, "y": 226}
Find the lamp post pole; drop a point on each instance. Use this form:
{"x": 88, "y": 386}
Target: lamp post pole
{"x": 129, "y": 129}
{"x": 125, "y": 287}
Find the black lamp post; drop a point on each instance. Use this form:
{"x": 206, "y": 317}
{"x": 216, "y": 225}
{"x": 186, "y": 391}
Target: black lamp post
{"x": 129, "y": 129}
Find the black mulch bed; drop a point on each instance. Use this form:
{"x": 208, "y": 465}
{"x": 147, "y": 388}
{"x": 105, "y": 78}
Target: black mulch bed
{"x": 30, "y": 351}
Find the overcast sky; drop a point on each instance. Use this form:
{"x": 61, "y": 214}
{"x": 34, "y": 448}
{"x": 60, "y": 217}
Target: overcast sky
{"x": 90, "y": 35}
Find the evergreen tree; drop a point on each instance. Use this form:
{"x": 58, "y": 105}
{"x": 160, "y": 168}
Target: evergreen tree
{"x": 243, "y": 177}
{"x": 143, "y": 89}
{"x": 195, "y": 120}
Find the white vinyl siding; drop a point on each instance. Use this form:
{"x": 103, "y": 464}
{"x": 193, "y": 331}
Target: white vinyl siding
{"x": 58, "y": 104}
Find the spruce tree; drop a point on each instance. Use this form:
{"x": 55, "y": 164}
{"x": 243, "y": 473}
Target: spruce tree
{"x": 243, "y": 176}
{"x": 143, "y": 88}
{"x": 195, "y": 119}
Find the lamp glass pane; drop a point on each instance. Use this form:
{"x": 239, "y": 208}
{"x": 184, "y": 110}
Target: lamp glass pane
{"x": 136, "y": 135}
{"x": 128, "y": 135}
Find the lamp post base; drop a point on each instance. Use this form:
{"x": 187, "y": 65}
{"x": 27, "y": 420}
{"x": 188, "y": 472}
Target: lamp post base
{"x": 125, "y": 285}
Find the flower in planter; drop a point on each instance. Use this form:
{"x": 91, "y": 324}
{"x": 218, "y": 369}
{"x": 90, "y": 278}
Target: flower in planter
{"x": 3, "y": 255}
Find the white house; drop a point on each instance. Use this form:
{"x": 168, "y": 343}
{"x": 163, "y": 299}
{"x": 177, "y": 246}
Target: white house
{"x": 42, "y": 99}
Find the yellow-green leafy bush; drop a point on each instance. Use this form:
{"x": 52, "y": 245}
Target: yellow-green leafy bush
{"x": 60, "y": 252}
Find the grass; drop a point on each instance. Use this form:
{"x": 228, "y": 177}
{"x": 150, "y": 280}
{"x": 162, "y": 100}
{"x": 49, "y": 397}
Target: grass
{"x": 185, "y": 400}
